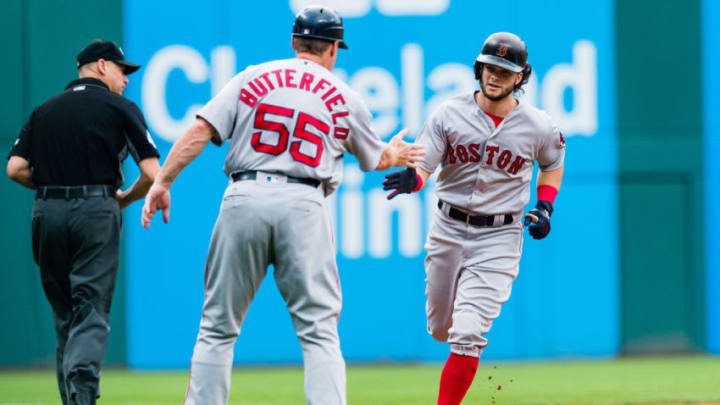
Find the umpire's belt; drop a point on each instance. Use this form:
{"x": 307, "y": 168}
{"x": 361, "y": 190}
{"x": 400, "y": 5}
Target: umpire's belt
{"x": 477, "y": 220}
{"x": 252, "y": 175}
{"x": 70, "y": 192}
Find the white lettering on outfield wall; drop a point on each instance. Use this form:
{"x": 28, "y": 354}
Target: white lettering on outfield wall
{"x": 364, "y": 221}
{"x": 192, "y": 64}
{"x": 581, "y": 78}
{"x": 381, "y": 90}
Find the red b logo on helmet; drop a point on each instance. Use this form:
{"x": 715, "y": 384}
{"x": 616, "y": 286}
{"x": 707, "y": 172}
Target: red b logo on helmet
{"x": 502, "y": 51}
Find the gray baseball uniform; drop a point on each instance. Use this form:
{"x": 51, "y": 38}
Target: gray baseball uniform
{"x": 289, "y": 122}
{"x": 485, "y": 170}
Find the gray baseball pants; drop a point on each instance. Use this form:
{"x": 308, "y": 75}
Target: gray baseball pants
{"x": 286, "y": 225}
{"x": 469, "y": 275}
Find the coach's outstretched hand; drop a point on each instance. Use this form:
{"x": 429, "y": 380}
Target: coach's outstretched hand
{"x": 401, "y": 181}
{"x": 157, "y": 198}
{"x": 539, "y": 219}
{"x": 398, "y": 153}
{"x": 405, "y": 154}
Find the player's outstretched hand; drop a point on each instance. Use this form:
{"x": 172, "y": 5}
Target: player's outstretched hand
{"x": 405, "y": 154}
{"x": 157, "y": 198}
{"x": 539, "y": 219}
{"x": 401, "y": 182}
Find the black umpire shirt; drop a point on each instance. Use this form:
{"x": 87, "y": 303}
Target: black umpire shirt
{"x": 82, "y": 135}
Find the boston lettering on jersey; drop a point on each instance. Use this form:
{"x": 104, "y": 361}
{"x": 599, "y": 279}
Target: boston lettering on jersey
{"x": 265, "y": 82}
{"x": 471, "y": 153}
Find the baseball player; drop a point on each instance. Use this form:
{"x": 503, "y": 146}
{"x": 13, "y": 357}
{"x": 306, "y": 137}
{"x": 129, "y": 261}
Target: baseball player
{"x": 486, "y": 143}
{"x": 289, "y": 123}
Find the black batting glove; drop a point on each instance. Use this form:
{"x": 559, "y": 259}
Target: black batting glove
{"x": 542, "y": 211}
{"x": 401, "y": 181}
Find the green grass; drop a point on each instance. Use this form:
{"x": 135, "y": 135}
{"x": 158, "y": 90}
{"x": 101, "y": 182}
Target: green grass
{"x": 626, "y": 381}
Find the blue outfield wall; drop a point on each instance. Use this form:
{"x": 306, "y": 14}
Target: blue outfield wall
{"x": 711, "y": 55}
{"x": 404, "y": 58}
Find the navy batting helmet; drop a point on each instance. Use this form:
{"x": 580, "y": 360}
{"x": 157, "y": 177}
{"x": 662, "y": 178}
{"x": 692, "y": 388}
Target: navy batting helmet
{"x": 507, "y": 51}
{"x": 319, "y": 23}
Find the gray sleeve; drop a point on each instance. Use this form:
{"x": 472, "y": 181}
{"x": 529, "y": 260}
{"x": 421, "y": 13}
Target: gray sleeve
{"x": 361, "y": 140}
{"x": 552, "y": 151}
{"x": 433, "y": 137}
{"x": 221, "y": 110}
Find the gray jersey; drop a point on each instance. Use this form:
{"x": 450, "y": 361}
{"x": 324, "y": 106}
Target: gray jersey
{"x": 292, "y": 117}
{"x": 487, "y": 170}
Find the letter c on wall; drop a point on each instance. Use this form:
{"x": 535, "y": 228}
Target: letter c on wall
{"x": 154, "y": 84}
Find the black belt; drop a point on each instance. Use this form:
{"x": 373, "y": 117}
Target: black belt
{"x": 252, "y": 175}
{"x": 69, "y": 192}
{"x": 477, "y": 220}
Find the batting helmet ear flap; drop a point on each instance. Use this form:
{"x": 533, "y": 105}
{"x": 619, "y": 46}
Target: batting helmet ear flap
{"x": 478, "y": 70}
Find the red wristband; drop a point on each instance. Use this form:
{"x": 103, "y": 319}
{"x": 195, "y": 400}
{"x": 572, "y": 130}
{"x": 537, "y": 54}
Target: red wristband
{"x": 419, "y": 183}
{"x": 546, "y": 193}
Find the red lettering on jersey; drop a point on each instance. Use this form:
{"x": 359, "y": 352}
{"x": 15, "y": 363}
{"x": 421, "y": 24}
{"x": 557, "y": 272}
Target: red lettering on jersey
{"x": 267, "y": 80}
{"x": 504, "y": 159}
{"x": 320, "y": 85}
{"x": 491, "y": 153}
{"x": 516, "y": 165}
{"x": 474, "y": 152}
{"x": 562, "y": 140}
{"x": 262, "y": 123}
{"x": 462, "y": 153}
{"x": 451, "y": 155}
{"x": 341, "y": 133}
{"x": 289, "y": 78}
{"x": 261, "y": 92}
{"x": 300, "y": 132}
{"x": 305, "y": 81}
{"x": 277, "y": 76}
{"x": 247, "y": 98}
{"x": 340, "y": 114}
{"x": 337, "y": 99}
{"x": 328, "y": 93}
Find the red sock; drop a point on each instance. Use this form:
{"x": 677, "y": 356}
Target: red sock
{"x": 456, "y": 378}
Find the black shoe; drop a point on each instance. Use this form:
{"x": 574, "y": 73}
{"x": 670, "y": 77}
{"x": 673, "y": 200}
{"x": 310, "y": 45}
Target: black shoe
{"x": 82, "y": 398}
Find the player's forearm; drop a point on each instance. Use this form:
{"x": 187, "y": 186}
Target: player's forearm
{"x": 185, "y": 150}
{"x": 548, "y": 185}
{"x": 552, "y": 178}
{"x": 423, "y": 176}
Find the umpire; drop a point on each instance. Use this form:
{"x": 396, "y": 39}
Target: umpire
{"x": 71, "y": 151}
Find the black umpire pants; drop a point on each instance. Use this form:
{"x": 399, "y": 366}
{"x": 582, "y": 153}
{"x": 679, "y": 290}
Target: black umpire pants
{"x": 76, "y": 245}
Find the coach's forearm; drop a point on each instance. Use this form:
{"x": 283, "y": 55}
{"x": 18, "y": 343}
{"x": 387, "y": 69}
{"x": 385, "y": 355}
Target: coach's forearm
{"x": 387, "y": 158}
{"x": 185, "y": 150}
